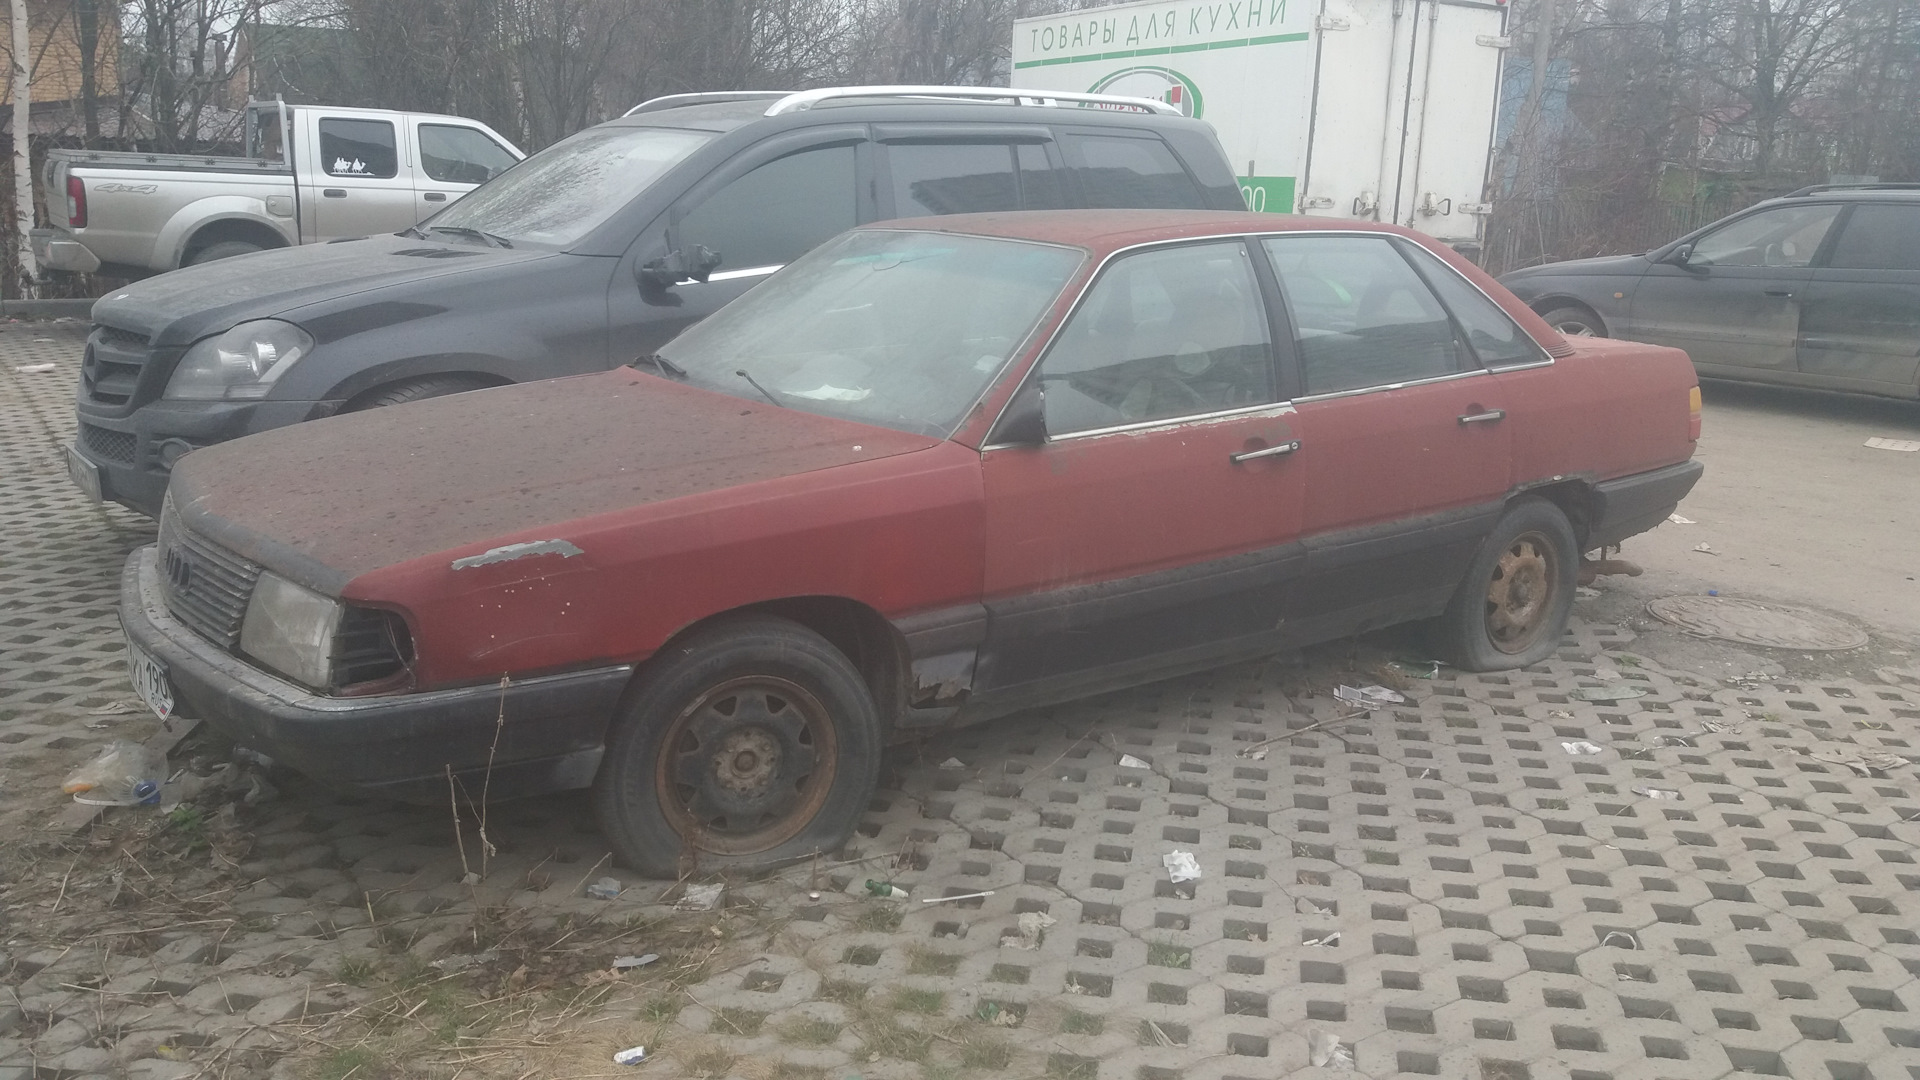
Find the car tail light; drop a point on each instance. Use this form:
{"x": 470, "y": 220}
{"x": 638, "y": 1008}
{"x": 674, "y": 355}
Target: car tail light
{"x": 76, "y": 203}
{"x": 1693, "y": 414}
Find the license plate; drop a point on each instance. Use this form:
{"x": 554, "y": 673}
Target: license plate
{"x": 84, "y": 474}
{"x": 150, "y": 681}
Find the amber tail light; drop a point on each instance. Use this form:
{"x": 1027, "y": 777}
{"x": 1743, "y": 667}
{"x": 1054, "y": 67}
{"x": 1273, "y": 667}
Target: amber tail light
{"x": 1693, "y": 414}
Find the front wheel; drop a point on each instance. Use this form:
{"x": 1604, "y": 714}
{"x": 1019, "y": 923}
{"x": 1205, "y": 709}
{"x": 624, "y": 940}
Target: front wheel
{"x": 751, "y": 744}
{"x": 1511, "y": 609}
{"x": 1573, "y": 320}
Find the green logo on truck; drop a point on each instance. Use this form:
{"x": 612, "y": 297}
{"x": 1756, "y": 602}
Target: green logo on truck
{"x": 1158, "y": 83}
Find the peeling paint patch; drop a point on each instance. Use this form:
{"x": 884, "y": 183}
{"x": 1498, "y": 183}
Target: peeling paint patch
{"x": 518, "y": 551}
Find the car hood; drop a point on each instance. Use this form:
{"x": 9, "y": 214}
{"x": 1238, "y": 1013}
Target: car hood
{"x": 327, "y": 501}
{"x": 1606, "y": 265}
{"x": 184, "y": 305}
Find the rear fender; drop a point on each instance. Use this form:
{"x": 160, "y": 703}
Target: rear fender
{"x": 170, "y": 244}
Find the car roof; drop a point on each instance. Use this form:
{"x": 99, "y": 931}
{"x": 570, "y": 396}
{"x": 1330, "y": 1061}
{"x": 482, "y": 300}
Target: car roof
{"x": 729, "y": 115}
{"x": 1106, "y": 231}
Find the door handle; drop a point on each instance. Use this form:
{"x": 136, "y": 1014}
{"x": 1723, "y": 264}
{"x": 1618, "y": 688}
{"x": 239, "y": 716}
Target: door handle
{"x": 1277, "y": 450}
{"x": 1491, "y": 416}
{"x": 435, "y": 196}
{"x": 334, "y": 192}
{"x": 1784, "y": 294}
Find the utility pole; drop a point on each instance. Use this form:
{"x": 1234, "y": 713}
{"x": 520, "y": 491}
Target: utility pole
{"x": 23, "y": 152}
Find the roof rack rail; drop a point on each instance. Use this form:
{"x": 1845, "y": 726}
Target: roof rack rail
{"x": 676, "y": 101}
{"x": 807, "y": 99}
{"x": 1872, "y": 185}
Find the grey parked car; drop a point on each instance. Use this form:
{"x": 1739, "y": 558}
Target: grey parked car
{"x": 1820, "y": 288}
{"x": 592, "y": 253}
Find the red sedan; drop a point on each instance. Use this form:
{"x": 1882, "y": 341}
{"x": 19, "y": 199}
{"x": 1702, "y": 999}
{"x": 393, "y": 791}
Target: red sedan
{"x": 933, "y": 472}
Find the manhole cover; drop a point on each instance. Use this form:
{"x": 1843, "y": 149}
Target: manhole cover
{"x": 1757, "y": 624}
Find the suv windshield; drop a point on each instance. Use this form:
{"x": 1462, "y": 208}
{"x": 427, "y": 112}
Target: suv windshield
{"x": 559, "y": 195}
{"x": 898, "y": 329}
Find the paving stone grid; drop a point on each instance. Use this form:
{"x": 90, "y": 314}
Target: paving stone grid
{"x": 1505, "y": 909}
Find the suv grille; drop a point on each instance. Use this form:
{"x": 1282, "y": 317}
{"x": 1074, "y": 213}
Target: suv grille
{"x": 203, "y": 584}
{"x": 369, "y": 646}
{"x": 111, "y": 368}
{"x": 107, "y": 444}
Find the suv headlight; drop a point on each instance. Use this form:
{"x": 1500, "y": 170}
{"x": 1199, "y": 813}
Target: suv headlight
{"x": 290, "y": 629}
{"x": 240, "y": 364}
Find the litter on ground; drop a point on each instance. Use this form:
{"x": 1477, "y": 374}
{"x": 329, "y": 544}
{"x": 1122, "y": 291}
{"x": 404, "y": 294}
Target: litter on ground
{"x": 1181, "y": 866}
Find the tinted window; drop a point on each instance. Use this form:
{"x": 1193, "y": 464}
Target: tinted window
{"x": 896, "y": 328}
{"x": 461, "y": 155}
{"x": 777, "y": 212}
{"x": 1363, "y": 316}
{"x": 1496, "y": 339}
{"x": 1784, "y": 236}
{"x": 1173, "y": 332}
{"x": 1879, "y": 238}
{"x": 1039, "y": 183}
{"x": 952, "y": 178}
{"x": 1122, "y": 172}
{"x": 564, "y": 192}
{"x": 358, "y": 148}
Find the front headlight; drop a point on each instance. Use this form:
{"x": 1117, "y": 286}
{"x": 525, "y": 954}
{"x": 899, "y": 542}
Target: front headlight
{"x": 240, "y": 364}
{"x": 290, "y": 629}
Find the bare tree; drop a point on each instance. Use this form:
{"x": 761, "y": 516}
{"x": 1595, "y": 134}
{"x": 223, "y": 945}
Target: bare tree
{"x": 28, "y": 273}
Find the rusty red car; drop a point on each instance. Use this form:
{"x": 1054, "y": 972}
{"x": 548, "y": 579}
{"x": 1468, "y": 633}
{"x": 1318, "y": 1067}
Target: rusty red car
{"x": 932, "y": 473}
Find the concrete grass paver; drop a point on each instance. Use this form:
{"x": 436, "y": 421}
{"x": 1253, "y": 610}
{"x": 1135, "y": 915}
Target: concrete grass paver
{"x": 1445, "y": 888}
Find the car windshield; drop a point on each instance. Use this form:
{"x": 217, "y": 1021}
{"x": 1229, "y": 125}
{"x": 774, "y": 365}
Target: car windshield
{"x": 562, "y": 193}
{"x": 898, "y": 329}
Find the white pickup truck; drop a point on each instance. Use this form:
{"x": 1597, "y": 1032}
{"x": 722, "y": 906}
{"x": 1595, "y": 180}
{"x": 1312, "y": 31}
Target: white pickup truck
{"x": 352, "y": 172}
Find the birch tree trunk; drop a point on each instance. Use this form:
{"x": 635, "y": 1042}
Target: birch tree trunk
{"x": 23, "y": 151}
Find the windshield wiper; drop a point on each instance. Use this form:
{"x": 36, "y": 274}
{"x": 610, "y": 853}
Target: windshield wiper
{"x": 413, "y": 231}
{"x": 664, "y": 365}
{"x": 481, "y": 235}
{"x": 756, "y": 385}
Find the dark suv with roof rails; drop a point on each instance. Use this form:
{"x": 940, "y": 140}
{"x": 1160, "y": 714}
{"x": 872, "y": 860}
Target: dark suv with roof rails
{"x": 593, "y": 252}
{"x": 1820, "y": 289}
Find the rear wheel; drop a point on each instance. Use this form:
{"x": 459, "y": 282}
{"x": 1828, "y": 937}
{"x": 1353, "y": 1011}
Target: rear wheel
{"x": 224, "y": 249}
{"x": 432, "y": 386}
{"x": 1572, "y": 320}
{"x": 1511, "y": 609}
{"x": 751, "y": 744}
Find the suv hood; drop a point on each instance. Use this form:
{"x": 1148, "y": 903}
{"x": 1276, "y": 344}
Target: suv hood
{"x": 326, "y": 501}
{"x": 185, "y": 305}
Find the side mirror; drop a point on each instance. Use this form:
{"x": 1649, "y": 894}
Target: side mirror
{"x": 1025, "y": 421}
{"x": 677, "y": 266}
{"x": 1682, "y": 257}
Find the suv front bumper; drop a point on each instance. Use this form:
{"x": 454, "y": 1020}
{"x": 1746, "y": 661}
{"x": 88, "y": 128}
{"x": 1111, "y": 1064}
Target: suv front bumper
{"x": 541, "y": 734}
{"x": 135, "y": 452}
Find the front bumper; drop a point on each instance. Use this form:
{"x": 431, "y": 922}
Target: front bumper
{"x": 550, "y": 730}
{"x": 1633, "y": 504}
{"x": 135, "y": 452}
{"x": 53, "y": 250}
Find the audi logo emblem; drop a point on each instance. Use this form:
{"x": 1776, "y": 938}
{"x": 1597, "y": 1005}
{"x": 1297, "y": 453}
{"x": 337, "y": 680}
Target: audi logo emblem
{"x": 179, "y": 568}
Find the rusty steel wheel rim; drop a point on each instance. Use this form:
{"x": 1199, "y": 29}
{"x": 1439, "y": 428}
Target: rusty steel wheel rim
{"x": 1521, "y": 594}
{"x": 746, "y": 765}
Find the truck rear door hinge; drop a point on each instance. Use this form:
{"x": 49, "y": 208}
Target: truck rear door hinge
{"x": 1316, "y": 202}
{"x": 1332, "y": 22}
{"x": 1480, "y": 208}
{"x": 1493, "y": 41}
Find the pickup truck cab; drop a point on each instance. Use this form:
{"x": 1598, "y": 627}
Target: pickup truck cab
{"x": 352, "y": 172}
{"x": 596, "y": 250}
{"x": 933, "y": 472}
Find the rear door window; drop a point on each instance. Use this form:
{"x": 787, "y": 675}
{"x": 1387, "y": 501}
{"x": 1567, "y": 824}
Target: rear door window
{"x": 952, "y": 178}
{"x": 777, "y": 212}
{"x": 358, "y": 148}
{"x": 1119, "y": 171}
{"x": 1496, "y": 339}
{"x": 1039, "y": 180}
{"x": 1363, "y": 317}
{"x": 1879, "y": 238}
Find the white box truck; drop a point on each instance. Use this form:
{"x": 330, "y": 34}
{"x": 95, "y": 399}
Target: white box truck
{"x": 1378, "y": 110}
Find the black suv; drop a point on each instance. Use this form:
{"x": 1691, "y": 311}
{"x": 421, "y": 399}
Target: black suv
{"x": 1820, "y": 288}
{"x": 591, "y": 253}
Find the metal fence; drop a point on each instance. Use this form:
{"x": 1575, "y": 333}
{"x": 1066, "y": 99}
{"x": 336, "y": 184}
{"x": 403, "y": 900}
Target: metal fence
{"x": 1525, "y": 232}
